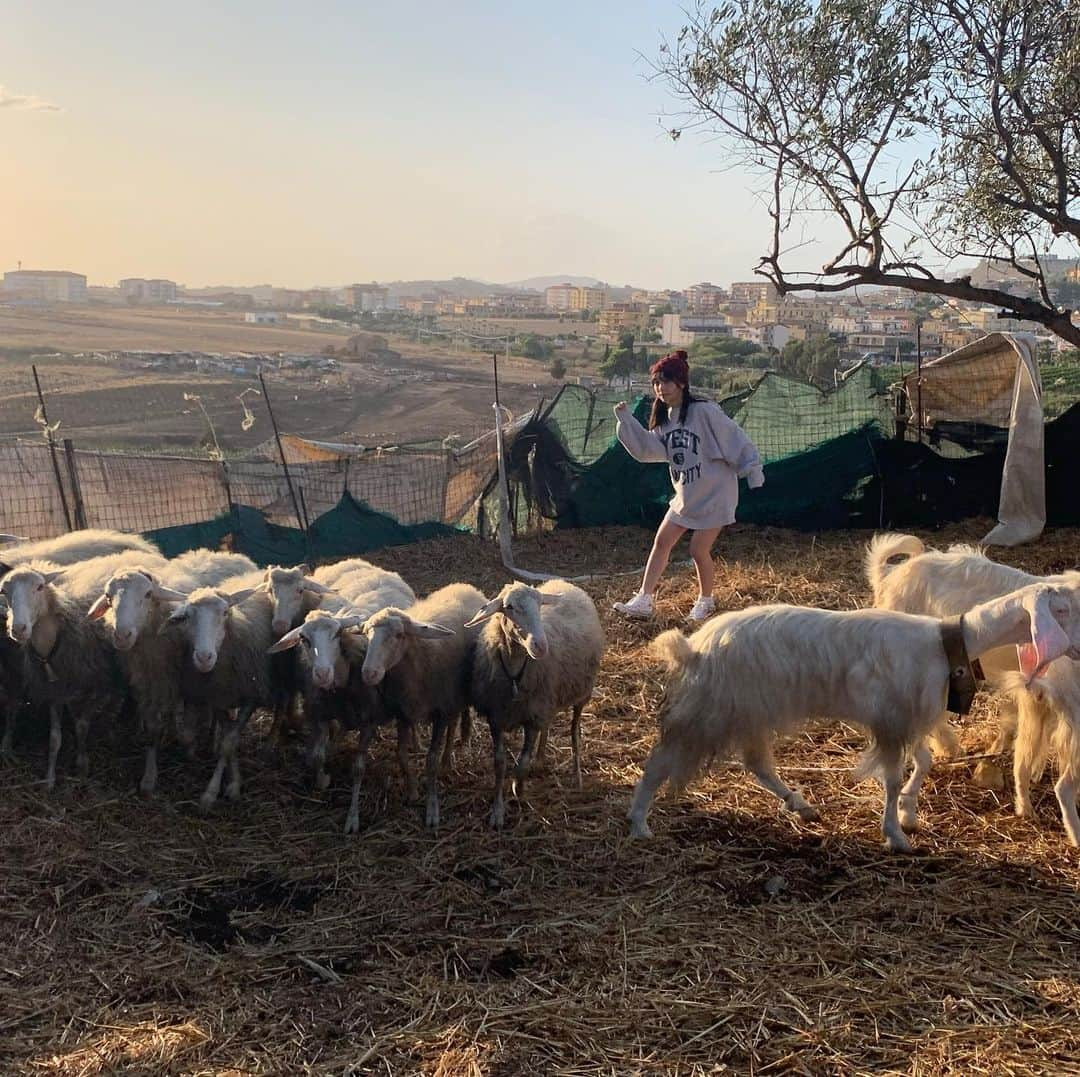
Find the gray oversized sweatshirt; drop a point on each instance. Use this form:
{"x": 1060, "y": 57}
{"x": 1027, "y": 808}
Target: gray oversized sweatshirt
{"x": 706, "y": 456}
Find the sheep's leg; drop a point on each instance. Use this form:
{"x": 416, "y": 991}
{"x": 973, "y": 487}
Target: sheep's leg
{"x": 438, "y": 732}
{"x": 657, "y": 770}
{"x": 152, "y": 727}
{"x": 213, "y": 788}
{"x": 82, "y": 725}
{"x": 320, "y": 742}
{"x": 542, "y": 747}
{"x": 406, "y": 736}
{"x": 465, "y": 728}
{"x": 528, "y": 748}
{"x": 575, "y": 743}
{"x": 498, "y": 806}
{"x": 892, "y": 776}
{"x": 7, "y": 743}
{"x": 232, "y": 748}
{"x": 758, "y": 759}
{"x": 187, "y": 729}
{"x": 448, "y": 744}
{"x": 56, "y": 737}
{"x": 359, "y": 765}
{"x": 909, "y": 795}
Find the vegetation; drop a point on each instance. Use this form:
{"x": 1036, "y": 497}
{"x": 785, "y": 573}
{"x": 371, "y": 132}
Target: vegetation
{"x": 927, "y": 130}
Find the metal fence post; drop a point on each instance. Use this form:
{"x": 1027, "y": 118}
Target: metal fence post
{"x": 76, "y": 489}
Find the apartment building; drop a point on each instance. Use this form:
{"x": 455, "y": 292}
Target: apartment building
{"x": 148, "y": 290}
{"x": 45, "y": 285}
{"x": 704, "y": 298}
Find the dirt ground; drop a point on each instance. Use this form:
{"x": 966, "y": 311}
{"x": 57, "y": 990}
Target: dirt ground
{"x": 428, "y": 393}
{"x": 147, "y": 938}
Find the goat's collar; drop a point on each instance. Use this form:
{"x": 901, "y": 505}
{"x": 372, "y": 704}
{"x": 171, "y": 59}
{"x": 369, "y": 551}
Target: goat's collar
{"x": 963, "y": 673}
{"x": 45, "y": 660}
{"x": 513, "y": 678}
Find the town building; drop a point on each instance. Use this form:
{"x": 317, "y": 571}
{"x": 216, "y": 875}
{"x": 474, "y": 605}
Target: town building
{"x": 148, "y": 290}
{"x": 45, "y": 286}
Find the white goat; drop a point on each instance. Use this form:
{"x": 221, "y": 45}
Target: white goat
{"x": 745, "y": 675}
{"x": 421, "y": 657}
{"x": 538, "y": 654}
{"x": 944, "y": 584}
{"x": 68, "y": 662}
{"x": 133, "y": 606}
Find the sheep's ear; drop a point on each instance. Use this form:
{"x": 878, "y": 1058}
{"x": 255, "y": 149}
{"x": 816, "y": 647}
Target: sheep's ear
{"x": 290, "y": 639}
{"x": 167, "y": 594}
{"x": 1048, "y": 639}
{"x": 353, "y": 620}
{"x": 5, "y": 568}
{"x": 52, "y": 577}
{"x": 304, "y": 568}
{"x": 489, "y": 609}
{"x": 424, "y": 630}
{"x": 315, "y": 587}
{"x": 176, "y": 617}
{"x": 547, "y": 599}
{"x": 237, "y": 597}
{"x": 99, "y": 608}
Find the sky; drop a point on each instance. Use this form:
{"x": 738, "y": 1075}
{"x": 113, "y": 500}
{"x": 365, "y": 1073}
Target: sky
{"x": 248, "y": 143}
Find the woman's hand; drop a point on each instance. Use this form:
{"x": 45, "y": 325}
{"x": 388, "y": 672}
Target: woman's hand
{"x": 622, "y": 409}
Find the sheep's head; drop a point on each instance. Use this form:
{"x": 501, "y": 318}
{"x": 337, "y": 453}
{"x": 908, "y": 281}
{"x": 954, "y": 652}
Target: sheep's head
{"x": 202, "y": 617}
{"x": 320, "y": 636}
{"x": 288, "y": 588}
{"x": 131, "y": 596}
{"x": 26, "y": 592}
{"x": 389, "y": 634}
{"x": 518, "y": 605}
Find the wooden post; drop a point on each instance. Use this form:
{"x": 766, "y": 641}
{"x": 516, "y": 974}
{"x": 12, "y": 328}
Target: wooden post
{"x": 76, "y": 490}
{"x": 52, "y": 450}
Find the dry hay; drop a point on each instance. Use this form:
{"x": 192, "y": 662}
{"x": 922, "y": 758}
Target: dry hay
{"x": 146, "y": 938}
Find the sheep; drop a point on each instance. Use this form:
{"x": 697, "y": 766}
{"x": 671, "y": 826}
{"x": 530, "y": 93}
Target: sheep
{"x": 221, "y": 638}
{"x": 75, "y": 547}
{"x": 133, "y": 606}
{"x": 297, "y": 591}
{"x": 747, "y": 674}
{"x": 67, "y": 659}
{"x": 948, "y": 583}
{"x": 538, "y": 653}
{"x": 420, "y": 657}
{"x": 331, "y": 660}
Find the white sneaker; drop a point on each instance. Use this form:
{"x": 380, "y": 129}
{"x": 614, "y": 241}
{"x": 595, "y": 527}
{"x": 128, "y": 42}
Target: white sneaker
{"x": 703, "y": 609}
{"x": 640, "y": 606}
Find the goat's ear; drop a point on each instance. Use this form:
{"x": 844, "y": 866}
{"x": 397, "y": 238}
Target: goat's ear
{"x": 237, "y": 597}
{"x": 290, "y": 639}
{"x": 548, "y": 599}
{"x": 315, "y": 587}
{"x": 99, "y": 608}
{"x": 424, "y": 630}
{"x": 1048, "y": 639}
{"x": 489, "y": 609}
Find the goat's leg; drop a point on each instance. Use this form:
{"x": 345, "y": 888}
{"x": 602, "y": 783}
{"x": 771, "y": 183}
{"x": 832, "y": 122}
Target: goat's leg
{"x": 909, "y": 795}
{"x": 890, "y": 760}
{"x": 359, "y": 766}
{"x": 1067, "y": 784}
{"x": 575, "y": 743}
{"x": 438, "y": 732}
{"x": 498, "y": 746}
{"x": 1027, "y": 752}
{"x": 657, "y": 770}
{"x": 758, "y": 759}
{"x": 56, "y": 737}
{"x": 406, "y": 737}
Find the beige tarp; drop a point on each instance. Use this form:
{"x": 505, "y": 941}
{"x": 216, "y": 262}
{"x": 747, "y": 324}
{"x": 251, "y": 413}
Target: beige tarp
{"x": 995, "y": 380}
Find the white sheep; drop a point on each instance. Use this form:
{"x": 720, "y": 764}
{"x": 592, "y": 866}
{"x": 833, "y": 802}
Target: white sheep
{"x": 74, "y": 547}
{"x": 420, "y": 657}
{"x": 331, "y": 659}
{"x": 222, "y": 638}
{"x": 745, "y": 675}
{"x": 133, "y": 606}
{"x": 949, "y": 583}
{"x": 296, "y": 591}
{"x": 68, "y": 662}
{"x": 538, "y": 654}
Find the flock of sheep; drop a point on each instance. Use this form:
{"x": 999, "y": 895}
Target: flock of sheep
{"x": 99, "y": 622}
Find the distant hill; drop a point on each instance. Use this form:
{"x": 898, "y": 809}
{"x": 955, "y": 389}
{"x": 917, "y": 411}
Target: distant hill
{"x": 538, "y": 284}
{"x": 463, "y": 286}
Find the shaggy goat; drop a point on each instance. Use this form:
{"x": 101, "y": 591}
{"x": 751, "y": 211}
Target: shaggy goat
{"x": 538, "y": 654}
{"x": 421, "y": 659}
{"x": 745, "y": 675}
{"x": 948, "y": 583}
